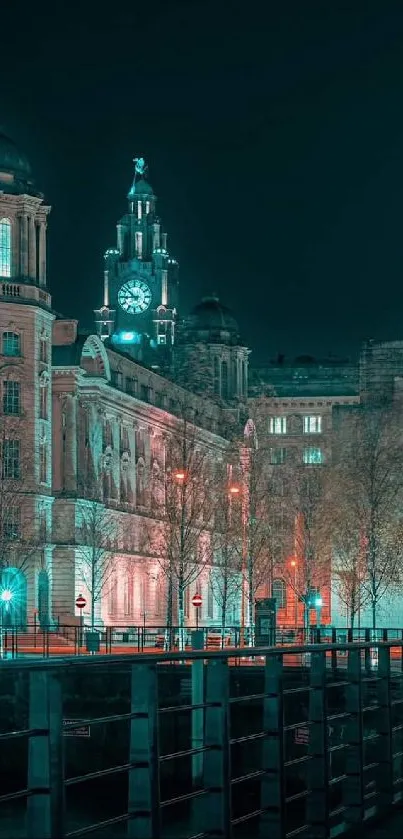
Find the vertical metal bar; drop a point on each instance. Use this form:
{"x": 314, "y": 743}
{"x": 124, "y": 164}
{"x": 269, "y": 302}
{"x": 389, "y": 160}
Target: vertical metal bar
{"x": 318, "y": 772}
{"x": 384, "y": 726}
{"x": 334, "y": 652}
{"x": 144, "y": 792}
{"x": 353, "y": 787}
{"x": 272, "y": 791}
{"x": 367, "y": 653}
{"x": 217, "y": 767}
{"x": 45, "y": 805}
{"x": 197, "y": 677}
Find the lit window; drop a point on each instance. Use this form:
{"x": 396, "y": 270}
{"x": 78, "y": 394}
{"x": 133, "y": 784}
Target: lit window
{"x": 279, "y": 593}
{"x": 11, "y": 344}
{"x": 139, "y": 210}
{"x": 11, "y": 459}
{"x": 277, "y": 456}
{"x": 148, "y": 206}
{"x": 12, "y": 523}
{"x": 312, "y": 455}
{"x": 43, "y": 463}
{"x": 312, "y": 425}
{"x": 278, "y": 425}
{"x": 5, "y": 247}
{"x": 139, "y": 244}
{"x": 11, "y": 398}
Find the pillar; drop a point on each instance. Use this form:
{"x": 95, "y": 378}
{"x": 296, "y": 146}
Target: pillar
{"x": 32, "y": 248}
{"x": 42, "y": 253}
{"x": 24, "y": 246}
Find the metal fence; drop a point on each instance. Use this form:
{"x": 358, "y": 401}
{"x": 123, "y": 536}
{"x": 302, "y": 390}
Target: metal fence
{"x": 309, "y": 741}
{"x": 72, "y": 639}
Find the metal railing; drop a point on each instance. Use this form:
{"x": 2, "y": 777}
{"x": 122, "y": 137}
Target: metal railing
{"x": 308, "y": 742}
{"x": 72, "y": 639}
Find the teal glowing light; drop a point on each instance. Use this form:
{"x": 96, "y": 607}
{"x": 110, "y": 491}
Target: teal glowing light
{"x": 127, "y": 336}
{"x": 6, "y": 595}
{"x": 318, "y": 602}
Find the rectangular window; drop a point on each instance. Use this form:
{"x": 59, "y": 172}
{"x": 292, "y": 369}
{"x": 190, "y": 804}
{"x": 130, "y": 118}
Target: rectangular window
{"x": 210, "y": 600}
{"x": 43, "y": 464}
{"x": 277, "y": 456}
{"x": 11, "y": 344}
{"x": 148, "y": 205}
{"x": 312, "y": 455}
{"x": 312, "y": 425}
{"x": 144, "y": 393}
{"x": 128, "y": 596}
{"x": 139, "y": 210}
{"x": 43, "y": 406}
{"x": 11, "y": 459}
{"x": 139, "y": 244}
{"x": 12, "y": 523}
{"x": 278, "y": 425}
{"x": 113, "y": 596}
{"x": 11, "y": 398}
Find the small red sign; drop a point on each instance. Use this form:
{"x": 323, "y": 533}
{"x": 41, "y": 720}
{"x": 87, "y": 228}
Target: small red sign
{"x": 81, "y": 602}
{"x": 197, "y": 600}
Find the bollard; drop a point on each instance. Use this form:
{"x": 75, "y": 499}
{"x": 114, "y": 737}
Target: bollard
{"x": 198, "y": 713}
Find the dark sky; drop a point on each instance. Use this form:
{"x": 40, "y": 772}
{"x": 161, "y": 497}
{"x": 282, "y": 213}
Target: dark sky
{"x": 274, "y": 140}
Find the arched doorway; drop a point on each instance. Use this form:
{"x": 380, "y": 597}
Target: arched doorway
{"x": 43, "y": 598}
{"x": 14, "y": 606}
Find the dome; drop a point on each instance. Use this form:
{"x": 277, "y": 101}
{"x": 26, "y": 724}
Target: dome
{"x": 12, "y": 160}
{"x": 141, "y": 187}
{"x": 210, "y": 314}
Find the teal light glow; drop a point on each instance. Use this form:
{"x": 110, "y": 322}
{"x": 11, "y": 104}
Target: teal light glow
{"x": 6, "y": 595}
{"x": 127, "y": 338}
{"x": 318, "y": 602}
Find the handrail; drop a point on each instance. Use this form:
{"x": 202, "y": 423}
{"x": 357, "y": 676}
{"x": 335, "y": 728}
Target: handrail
{"x": 112, "y": 659}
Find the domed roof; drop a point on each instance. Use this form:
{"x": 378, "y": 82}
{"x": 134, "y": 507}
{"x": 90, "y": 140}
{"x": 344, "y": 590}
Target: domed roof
{"x": 140, "y": 187}
{"x": 210, "y": 314}
{"x": 12, "y": 160}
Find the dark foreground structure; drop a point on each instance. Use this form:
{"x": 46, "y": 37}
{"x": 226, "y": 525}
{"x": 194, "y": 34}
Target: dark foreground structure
{"x": 303, "y": 741}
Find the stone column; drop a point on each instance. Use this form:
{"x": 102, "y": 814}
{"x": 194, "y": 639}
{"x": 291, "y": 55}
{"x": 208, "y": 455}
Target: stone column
{"x": 15, "y": 245}
{"x": 32, "y": 248}
{"x": 24, "y": 245}
{"x": 70, "y": 475}
{"x": 42, "y": 253}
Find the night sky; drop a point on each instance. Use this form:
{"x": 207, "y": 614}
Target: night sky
{"x": 274, "y": 141}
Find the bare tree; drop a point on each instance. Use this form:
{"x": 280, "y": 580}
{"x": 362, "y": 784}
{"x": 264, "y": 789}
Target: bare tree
{"x": 226, "y": 572}
{"x": 184, "y": 547}
{"x": 97, "y": 540}
{"x": 368, "y": 479}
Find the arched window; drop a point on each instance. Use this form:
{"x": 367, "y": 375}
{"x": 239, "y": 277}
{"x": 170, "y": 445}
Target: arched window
{"x": 11, "y": 344}
{"x": 5, "y": 247}
{"x": 224, "y": 380}
{"x": 279, "y": 593}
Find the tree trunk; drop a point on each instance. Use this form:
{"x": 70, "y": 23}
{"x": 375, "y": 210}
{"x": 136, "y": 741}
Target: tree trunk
{"x": 93, "y": 592}
{"x": 373, "y": 606}
{"x": 251, "y": 611}
{"x": 181, "y": 614}
{"x": 169, "y": 613}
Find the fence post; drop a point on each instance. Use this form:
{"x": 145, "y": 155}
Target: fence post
{"x": 217, "y": 769}
{"x": 45, "y": 805}
{"x": 272, "y": 791}
{"x": 318, "y": 799}
{"x": 144, "y": 804}
{"x": 334, "y": 652}
{"x": 353, "y": 787}
{"x": 367, "y": 653}
{"x": 384, "y": 726}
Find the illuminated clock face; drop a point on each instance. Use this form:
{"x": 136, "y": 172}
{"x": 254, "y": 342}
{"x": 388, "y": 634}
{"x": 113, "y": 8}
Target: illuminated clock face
{"x": 134, "y": 297}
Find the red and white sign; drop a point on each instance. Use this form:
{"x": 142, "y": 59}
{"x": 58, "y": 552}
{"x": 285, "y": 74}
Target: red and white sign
{"x": 81, "y": 602}
{"x": 197, "y": 600}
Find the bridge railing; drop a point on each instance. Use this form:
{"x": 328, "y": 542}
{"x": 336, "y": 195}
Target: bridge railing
{"x": 309, "y": 741}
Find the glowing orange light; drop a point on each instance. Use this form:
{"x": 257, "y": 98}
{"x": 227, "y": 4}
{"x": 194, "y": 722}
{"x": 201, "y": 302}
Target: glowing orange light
{"x": 179, "y": 476}
{"x": 293, "y": 563}
{"x": 234, "y": 489}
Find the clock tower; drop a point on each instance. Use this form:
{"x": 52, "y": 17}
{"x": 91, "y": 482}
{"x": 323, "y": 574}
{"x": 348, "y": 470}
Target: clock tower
{"x": 140, "y": 281}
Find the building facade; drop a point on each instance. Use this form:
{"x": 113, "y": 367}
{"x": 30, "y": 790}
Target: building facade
{"x": 86, "y": 418}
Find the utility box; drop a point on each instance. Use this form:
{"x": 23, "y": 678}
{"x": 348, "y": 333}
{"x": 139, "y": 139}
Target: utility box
{"x": 92, "y": 641}
{"x": 265, "y": 622}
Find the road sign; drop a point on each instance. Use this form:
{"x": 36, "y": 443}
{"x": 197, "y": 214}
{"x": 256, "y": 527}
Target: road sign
{"x": 81, "y": 602}
{"x": 80, "y": 731}
{"x": 197, "y": 600}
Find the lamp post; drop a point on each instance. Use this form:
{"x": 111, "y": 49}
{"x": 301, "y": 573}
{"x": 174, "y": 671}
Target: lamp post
{"x": 5, "y": 597}
{"x": 294, "y": 565}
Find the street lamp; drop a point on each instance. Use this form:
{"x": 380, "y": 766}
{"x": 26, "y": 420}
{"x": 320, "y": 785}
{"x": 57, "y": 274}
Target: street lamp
{"x": 6, "y": 596}
{"x": 180, "y": 476}
{"x": 294, "y": 565}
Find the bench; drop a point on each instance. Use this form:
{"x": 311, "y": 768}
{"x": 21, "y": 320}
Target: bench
{"x": 215, "y": 642}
